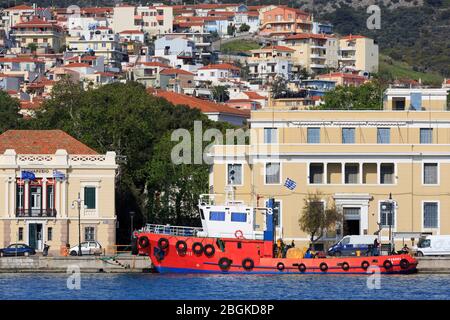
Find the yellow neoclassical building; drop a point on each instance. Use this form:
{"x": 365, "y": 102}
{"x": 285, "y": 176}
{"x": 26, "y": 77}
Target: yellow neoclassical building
{"x": 42, "y": 173}
{"x": 355, "y": 159}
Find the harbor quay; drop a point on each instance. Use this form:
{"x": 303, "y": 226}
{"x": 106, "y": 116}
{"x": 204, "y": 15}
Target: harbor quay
{"x": 139, "y": 264}
{"x": 85, "y": 264}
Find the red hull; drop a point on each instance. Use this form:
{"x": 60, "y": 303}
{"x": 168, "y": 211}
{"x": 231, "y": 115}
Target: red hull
{"x": 171, "y": 259}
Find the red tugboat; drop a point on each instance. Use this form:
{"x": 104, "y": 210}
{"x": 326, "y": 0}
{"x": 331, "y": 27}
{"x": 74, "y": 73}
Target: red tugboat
{"x": 229, "y": 243}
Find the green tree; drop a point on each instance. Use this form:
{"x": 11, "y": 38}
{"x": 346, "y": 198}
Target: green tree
{"x": 124, "y": 118}
{"x": 315, "y": 219}
{"x": 220, "y": 93}
{"x": 32, "y": 46}
{"x": 279, "y": 87}
{"x": 231, "y": 29}
{"x": 244, "y": 27}
{"x": 367, "y": 96}
{"x": 9, "y": 112}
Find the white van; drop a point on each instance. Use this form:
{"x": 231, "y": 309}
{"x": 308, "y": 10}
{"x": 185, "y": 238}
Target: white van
{"x": 350, "y": 244}
{"x": 433, "y": 246}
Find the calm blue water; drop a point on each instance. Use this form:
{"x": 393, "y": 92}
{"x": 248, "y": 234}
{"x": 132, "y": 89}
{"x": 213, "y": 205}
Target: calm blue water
{"x": 157, "y": 286}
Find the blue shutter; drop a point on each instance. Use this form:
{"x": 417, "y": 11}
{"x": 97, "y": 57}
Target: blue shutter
{"x": 426, "y": 135}
{"x": 383, "y": 135}
{"x": 416, "y": 101}
{"x": 348, "y": 135}
{"x": 313, "y": 135}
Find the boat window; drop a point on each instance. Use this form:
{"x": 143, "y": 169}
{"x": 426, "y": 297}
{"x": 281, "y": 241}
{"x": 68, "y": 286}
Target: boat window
{"x": 424, "y": 243}
{"x": 217, "y": 215}
{"x": 345, "y": 241}
{"x": 202, "y": 214}
{"x": 239, "y": 217}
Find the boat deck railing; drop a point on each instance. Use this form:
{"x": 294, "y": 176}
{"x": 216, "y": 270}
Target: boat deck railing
{"x": 172, "y": 230}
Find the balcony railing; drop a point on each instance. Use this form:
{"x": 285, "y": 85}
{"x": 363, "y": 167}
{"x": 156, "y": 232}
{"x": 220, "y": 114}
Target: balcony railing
{"x": 36, "y": 213}
{"x": 172, "y": 230}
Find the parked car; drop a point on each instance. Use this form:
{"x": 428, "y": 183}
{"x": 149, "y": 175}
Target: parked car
{"x": 17, "y": 249}
{"x": 433, "y": 246}
{"x": 350, "y": 244}
{"x": 87, "y": 248}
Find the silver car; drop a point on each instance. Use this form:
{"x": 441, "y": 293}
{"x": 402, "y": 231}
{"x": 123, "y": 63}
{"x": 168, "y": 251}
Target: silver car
{"x": 87, "y": 248}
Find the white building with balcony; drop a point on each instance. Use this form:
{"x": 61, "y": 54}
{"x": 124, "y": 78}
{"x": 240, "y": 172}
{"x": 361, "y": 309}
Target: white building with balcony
{"x": 43, "y": 172}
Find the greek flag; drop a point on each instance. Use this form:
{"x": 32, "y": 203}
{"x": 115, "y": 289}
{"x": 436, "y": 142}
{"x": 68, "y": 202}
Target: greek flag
{"x": 58, "y": 175}
{"x": 27, "y": 175}
{"x": 290, "y": 184}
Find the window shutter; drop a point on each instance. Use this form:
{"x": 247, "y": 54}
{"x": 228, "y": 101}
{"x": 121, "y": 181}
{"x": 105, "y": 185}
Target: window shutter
{"x": 89, "y": 197}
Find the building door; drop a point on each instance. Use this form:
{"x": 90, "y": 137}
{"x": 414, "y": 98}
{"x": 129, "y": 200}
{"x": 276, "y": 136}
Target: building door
{"x": 35, "y": 236}
{"x": 352, "y": 219}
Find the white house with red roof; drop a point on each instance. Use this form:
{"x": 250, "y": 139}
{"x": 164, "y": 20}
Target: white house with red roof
{"x": 44, "y": 172}
{"x": 214, "y": 111}
{"x": 216, "y": 74}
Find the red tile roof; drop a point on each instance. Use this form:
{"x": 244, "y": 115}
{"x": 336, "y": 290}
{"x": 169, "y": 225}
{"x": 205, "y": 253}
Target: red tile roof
{"x": 176, "y": 71}
{"x": 220, "y": 66}
{"x": 131, "y": 32}
{"x": 41, "y": 142}
{"x": 341, "y": 75}
{"x": 353, "y": 36}
{"x": 154, "y": 64}
{"x": 205, "y": 106}
{"x": 20, "y": 59}
{"x": 76, "y": 65}
{"x": 307, "y": 36}
{"x": 34, "y": 22}
{"x": 277, "y": 48}
{"x": 20, "y": 7}
{"x": 254, "y": 95}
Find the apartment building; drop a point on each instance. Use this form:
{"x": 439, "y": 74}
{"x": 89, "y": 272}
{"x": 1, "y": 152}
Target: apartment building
{"x": 401, "y": 99}
{"x": 310, "y": 51}
{"x": 343, "y": 79}
{"x": 12, "y": 16}
{"x": 217, "y": 74}
{"x": 358, "y": 53}
{"x": 44, "y": 172}
{"x": 358, "y": 160}
{"x": 39, "y": 32}
{"x": 281, "y": 20}
{"x": 100, "y": 41}
{"x": 268, "y": 63}
{"x": 154, "y": 20}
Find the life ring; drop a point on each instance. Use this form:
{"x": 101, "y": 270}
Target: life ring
{"x": 387, "y": 264}
{"x": 197, "y": 248}
{"x": 239, "y": 234}
{"x": 301, "y": 268}
{"x": 323, "y": 267}
{"x": 345, "y": 266}
{"x": 224, "y": 264}
{"x": 143, "y": 242}
{"x": 163, "y": 243}
{"x": 248, "y": 264}
{"x": 404, "y": 264}
{"x": 365, "y": 265}
{"x": 181, "y": 246}
{"x": 280, "y": 266}
{"x": 209, "y": 250}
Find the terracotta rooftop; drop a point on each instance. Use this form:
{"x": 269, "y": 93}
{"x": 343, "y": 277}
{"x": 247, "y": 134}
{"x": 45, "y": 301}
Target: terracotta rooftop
{"x": 341, "y": 75}
{"x": 20, "y": 7}
{"x": 254, "y": 95}
{"x": 277, "y": 48}
{"x": 41, "y": 142}
{"x": 307, "y": 36}
{"x": 353, "y": 36}
{"x": 205, "y": 106}
{"x": 176, "y": 71}
{"x": 220, "y": 66}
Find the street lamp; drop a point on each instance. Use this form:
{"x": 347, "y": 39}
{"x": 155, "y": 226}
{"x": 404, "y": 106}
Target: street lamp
{"x": 131, "y": 225}
{"x": 77, "y": 202}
